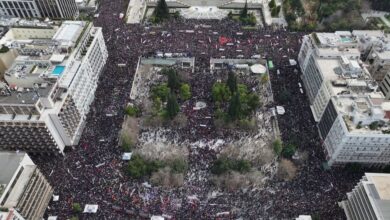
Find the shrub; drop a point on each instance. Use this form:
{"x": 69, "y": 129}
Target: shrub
{"x": 133, "y": 111}
{"x": 223, "y": 165}
{"x": 277, "y": 145}
{"x": 289, "y": 150}
{"x": 178, "y": 165}
{"x": 185, "y": 91}
{"x": 4, "y": 49}
{"x": 127, "y": 143}
{"x": 374, "y": 125}
{"x": 76, "y": 207}
{"x": 139, "y": 167}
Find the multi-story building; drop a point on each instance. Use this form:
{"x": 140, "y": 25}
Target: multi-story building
{"x": 24, "y": 191}
{"x": 385, "y": 85}
{"x": 49, "y": 87}
{"x": 352, "y": 114}
{"x": 370, "y": 199}
{"x": 57, "y": 9}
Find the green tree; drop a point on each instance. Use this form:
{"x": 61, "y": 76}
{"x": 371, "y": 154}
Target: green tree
{"x": 289, "y": 150}
{"x": 76, "y": 207}
{"x": 277, "y": 145}
{"x": 137, "y": 167}
{"x": 161, "y": 91}
{"x": 173, "y": 80}
{"x": 232, "y": 82}
{"x": 234, "y": 110}
{"x": 244, "y": 12}
{"x": 185, "y": 91}
{"x": 220, "y": 166}
{"x": 253, "y": 101}
{"x": 272, "y": 4}
{"x": 220, "y": 92}
{"x": 161, "y": 12}
{"x": 172, "y": 106}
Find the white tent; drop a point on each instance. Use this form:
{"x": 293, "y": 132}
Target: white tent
{"x": 52, "y": 218}
{"x": 258, "y": 69}
{"x": 56, "y": 198}
{"x": 157, "y": 217}
{"x": 280, "y": 110}
{"x": 90, "y": 208}
{"x": 292, "y": 62}
{"x": 127, "y": 156}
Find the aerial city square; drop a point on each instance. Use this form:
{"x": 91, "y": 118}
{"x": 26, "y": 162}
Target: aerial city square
{"x": 187, "y": 109}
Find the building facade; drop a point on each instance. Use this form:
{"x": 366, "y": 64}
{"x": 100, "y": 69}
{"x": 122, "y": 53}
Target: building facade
{"x": 47, "y": 95}
{"x": 24, "y": 189}
{"x": 352, "y": 114}
{"x": 370, "y": 199}
{"x": 57, "y": 9}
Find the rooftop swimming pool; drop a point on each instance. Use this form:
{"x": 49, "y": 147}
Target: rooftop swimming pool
{"x": 58, "y": 70}
{"x": 346, "y": 39}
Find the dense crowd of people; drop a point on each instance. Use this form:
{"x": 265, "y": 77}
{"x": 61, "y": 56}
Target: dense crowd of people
{"x": 92, "y": 172}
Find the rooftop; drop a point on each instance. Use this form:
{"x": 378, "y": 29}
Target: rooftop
{"x": 377, "y": 187}
{"x": 41, "y": 63}
{"x": 339, "y": 38}
{"x": 9, "y": 163}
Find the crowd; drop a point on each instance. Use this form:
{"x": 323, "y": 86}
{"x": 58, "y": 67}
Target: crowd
{"x": 92, "y": 172}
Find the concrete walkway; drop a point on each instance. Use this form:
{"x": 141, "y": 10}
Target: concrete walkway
{"x": 135, "y": 11}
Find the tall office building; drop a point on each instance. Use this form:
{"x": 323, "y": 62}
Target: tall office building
{"x": 57, "y": 9}
{"x": 49, "y": 88}
{"x": 370, "y": 199}
{"x": 352, "y": 114}
{"x": 23, "y": 188}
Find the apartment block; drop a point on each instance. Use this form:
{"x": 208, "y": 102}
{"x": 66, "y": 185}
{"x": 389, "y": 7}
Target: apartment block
{"x": 351, "y": 111}
{"x": 24, "y": 191}
{"x": 370, "y": 199}
{"x": 57, "y": 9}
{"x": 48, "y": 89}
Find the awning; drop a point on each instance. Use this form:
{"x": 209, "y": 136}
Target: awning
{"x": 258, "y": 69}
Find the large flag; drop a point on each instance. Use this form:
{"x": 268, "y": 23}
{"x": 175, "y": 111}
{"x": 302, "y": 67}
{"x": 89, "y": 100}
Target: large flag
{"x": 223, "y": 40}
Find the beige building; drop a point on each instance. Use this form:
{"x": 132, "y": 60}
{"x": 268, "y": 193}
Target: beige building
{"x": 47, "y": 91}
{"x": 370, "y": 199}
{"x": 22, "y": 186}
{"x": 7, "y": 57}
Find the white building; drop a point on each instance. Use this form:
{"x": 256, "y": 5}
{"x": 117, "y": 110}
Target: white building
{"x": 352, "y": 115}
{"x": 370, "y": 199}
{"x": 49, "y": 88}
{"x": 24, "y": 191}
{"x": 65, "y": 9}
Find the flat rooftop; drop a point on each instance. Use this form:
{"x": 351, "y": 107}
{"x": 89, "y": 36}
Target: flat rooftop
{"x": 9, "y": 163}
{"x": 69, "y": 31}
{"x": 377, "y": 188}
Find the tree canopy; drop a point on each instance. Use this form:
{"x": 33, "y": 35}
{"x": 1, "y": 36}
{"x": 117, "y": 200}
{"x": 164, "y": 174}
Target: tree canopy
{"x": 172, "y": 106}
{"x": 234, "y": 110}
{"x": 162, "y": 11}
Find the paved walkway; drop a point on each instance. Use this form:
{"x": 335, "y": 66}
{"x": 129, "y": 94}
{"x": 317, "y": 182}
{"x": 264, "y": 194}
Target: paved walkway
{"x": 135, "y": 11}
